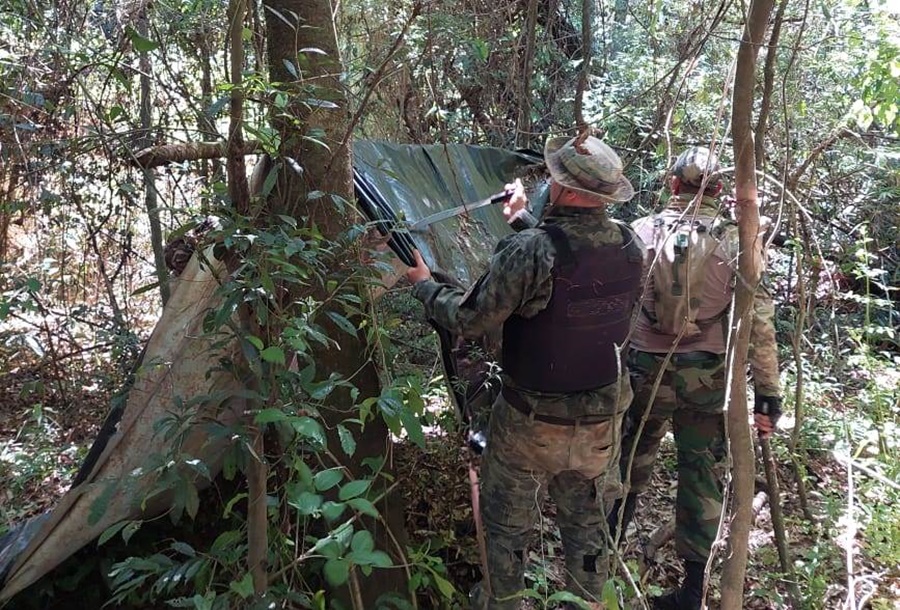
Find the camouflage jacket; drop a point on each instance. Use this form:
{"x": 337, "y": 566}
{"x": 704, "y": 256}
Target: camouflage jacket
{"x": 519, "y": 281}
{"x": 763, "y": 354}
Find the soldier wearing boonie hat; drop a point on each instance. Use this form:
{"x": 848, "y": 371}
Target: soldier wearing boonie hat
{"x": 589, "y": 166}
{"x": 555, "y": 426}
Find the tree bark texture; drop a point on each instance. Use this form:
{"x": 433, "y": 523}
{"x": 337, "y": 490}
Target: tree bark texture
{"x": 150, "y": 199}
{"x": 587, "y": 19}
{"x": 765, "y": 103}
{"x": 523, "y": 127}
{"x": 740, "y": 441}
{"x": 322, "y": 117}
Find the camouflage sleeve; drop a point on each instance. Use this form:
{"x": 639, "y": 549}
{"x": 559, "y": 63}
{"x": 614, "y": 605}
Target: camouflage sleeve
{"x": 763, "y": 353}
{"x": 518, "y": 280}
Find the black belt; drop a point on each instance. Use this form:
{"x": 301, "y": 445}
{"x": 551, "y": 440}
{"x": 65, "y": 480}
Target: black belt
{"x": 518, "y": 403}
{"x": 696, "y": 357}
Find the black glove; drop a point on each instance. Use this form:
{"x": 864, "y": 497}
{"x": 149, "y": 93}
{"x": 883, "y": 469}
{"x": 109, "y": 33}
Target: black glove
{"x": 768, "y": 405}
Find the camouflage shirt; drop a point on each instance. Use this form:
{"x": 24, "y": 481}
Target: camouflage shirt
{"x": 763, "y": 354}
{"x": 519, "y": 281}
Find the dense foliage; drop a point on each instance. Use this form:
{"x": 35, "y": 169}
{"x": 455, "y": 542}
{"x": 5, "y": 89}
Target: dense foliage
{"x": 88, "y": 85}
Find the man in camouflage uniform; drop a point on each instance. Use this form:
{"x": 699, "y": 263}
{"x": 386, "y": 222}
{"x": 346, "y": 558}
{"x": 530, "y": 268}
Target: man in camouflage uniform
{"x": 555, "y": 428}
{"x": 691, "y": 393}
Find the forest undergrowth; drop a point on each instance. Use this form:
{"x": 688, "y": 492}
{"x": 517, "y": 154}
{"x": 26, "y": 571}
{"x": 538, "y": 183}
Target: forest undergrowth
{"x": 50, "y": 415}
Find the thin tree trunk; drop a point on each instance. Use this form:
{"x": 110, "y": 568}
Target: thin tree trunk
{"x": 150, "y": 201}
{"x": 9, "y": 176}
{"x": 749, "y": 262}
{"x": 523, "y": 125}
{"x": 781, "y": 542}
{"x": 239, "y": 192}
{"x": 798, "y": 457}
{"x": 765, "y": 103}
{"x": 586, "y": 53}
{"x": 620, "y": 13}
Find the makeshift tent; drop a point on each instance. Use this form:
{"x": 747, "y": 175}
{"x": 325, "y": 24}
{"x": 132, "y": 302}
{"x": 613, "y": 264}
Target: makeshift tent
{"x": 396, "y": 185}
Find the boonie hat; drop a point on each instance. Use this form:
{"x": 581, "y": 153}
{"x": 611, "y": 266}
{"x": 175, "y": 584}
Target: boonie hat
{"x": 693, "y": 163}
{"x": 591, "y": 167}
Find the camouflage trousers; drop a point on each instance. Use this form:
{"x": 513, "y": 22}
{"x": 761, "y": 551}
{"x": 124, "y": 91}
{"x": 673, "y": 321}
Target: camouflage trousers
{"x": 691, "y": 396}
{"x": 524, "y": 461}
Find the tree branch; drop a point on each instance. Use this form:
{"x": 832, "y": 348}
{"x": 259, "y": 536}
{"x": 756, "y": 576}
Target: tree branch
{"x": 189, "y": 151}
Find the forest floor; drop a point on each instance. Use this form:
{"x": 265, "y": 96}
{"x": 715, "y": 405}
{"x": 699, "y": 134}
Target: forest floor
{"x": 55, "y": 407}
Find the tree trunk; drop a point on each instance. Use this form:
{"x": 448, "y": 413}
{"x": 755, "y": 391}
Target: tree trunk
{"x": 740, "y": 441}
{"x": 765, "y": 103}
{"x": 150, "y": 199}
{"x": 620, "y": 14}
{"x": 328, "y": 170}
{"x": 586, "y": 54}
{"x": 523, "y": 125}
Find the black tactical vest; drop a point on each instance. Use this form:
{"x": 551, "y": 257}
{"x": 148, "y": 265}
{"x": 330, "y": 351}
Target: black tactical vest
{"x": 570, "y": 345}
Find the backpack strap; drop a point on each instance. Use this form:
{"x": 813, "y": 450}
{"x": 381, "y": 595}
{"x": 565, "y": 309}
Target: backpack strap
{"x": 564, "y": 254}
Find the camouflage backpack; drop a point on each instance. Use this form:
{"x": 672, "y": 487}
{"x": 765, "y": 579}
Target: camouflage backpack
{"x": 684, "y": 246}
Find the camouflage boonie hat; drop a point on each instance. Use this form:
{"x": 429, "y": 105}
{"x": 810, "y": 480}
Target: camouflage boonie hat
{"x": 693, "y": 163}
{"x": 591, "y": 167}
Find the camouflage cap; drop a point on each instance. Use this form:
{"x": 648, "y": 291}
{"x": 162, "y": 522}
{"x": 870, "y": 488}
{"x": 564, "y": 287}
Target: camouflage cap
{"x": 591, "y": 167}
{"x": 693, "y": 163}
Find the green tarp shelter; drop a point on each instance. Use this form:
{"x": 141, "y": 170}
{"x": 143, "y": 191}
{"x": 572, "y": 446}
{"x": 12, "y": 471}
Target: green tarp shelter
{"x": 396, "y": 185}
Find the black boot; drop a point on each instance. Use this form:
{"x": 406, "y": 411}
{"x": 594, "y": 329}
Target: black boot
{"x": 690, "y": 595}
{"x": 612, "y": 518}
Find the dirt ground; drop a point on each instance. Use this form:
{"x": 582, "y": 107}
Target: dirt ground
{"x": 434, "y": 483}
{"x": 436, "y": 486}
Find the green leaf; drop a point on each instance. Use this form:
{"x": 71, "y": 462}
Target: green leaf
{"x": 609, "y": 596}
{"x": 255, "y": 341}
{"x": 413, "y": 427}
{"x": 130, "y": 530}
{"x": 362, "y": 541}
{"x": 336, "y": 571}
{"x": 273, "y": 354}
{"x": 309, "y": 428}
{"x": 306, "y": 503}
{"x": 140, "y": 44}
{"x": 111, "y": 531}
{"x": 348, "y": 443}
{"x": 443, "y": 585}
{"x": 342, "y": 322}
{"x": 326, "y": 479}
{"x": 270, "y": 415}
{"x": 321, "y": 389}
{"x": 243, "y": 587}
{"x": 364, "y": 506}
{"x": 183, "y": 548}
{"x": 332, "y": 511}
{"x": 353, "y": 489}
{"x": 290, "y": 67}
{"x": 304, "y": 472}
{"x": 224, "y": 541}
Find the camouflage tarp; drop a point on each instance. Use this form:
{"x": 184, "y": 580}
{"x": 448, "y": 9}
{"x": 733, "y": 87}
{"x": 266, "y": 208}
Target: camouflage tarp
{"x": 410, "y": 182}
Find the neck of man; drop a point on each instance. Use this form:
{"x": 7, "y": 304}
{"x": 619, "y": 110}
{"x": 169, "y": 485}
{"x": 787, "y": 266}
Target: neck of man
{"x": 686, "y": 200}
{"x": 562, "y": 196}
